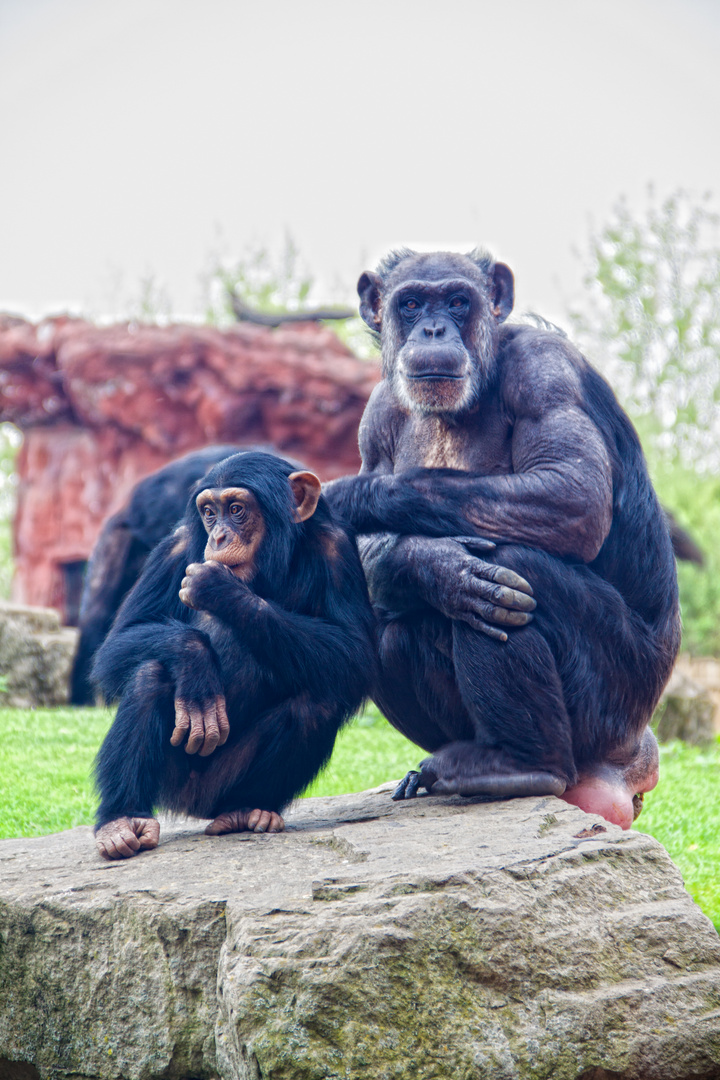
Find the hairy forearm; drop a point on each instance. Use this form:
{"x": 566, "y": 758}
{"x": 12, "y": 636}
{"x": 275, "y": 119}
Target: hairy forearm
{"x": 171, "y": 644}
{"x": 549, "y": 508}
{"x": 371, "y": 504}
{"x": 545, "y": 508}
{"x": 298, "y": 649}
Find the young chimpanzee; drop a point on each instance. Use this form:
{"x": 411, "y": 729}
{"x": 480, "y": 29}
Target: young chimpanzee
{"x": 241, "y": 651}
{"x": 534, "y": 669}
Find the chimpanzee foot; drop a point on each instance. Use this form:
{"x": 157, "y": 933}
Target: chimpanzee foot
{"x": 125, "y": 837}
{"x": 258, "y": 821}
{"x": 408, "y": 786}
{"x": 500, "y": 786}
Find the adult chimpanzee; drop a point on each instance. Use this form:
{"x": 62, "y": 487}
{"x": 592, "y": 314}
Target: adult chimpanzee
{"x": 235, "y": 673}
{"x": 505, "y": 432}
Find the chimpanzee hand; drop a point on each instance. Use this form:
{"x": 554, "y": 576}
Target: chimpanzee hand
{"x": 200, "y": 712}
{"x": 204, "y": 583}
{"x": 207, "y": 724}
{"x": 464, "y": 587}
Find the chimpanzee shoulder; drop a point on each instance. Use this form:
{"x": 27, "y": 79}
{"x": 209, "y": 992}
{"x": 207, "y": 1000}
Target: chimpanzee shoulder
{"x": 538, "y": 370}
{"x": 380, "y": 427}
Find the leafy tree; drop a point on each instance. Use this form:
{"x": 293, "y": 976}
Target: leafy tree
{"x": 651, "y": 320}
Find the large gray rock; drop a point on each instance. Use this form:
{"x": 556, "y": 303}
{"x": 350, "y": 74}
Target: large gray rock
{"x": 440, "y": 938}
{"x": 686, "y": 711}
{"x": 693, "y": 700}
{"x": 36, "y": 655}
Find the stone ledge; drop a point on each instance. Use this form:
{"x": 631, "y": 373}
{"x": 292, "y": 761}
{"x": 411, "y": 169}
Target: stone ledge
{"x": 438, "y": 938}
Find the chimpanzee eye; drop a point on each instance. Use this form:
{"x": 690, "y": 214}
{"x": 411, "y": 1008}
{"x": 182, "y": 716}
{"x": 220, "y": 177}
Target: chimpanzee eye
{"x": 458, "y": 302}
{"x": 208, "y": 513}
{"x": 237, "y": 510}
{"x": 410, "y": 304}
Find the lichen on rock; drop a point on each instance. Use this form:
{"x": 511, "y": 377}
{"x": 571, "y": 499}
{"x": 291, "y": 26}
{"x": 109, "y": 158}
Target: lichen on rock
{"x": 443, "y": 938}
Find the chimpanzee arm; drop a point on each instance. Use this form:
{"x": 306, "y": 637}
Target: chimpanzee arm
{"x": 301, "y": 650}
{"x": 406, "y": 572}
{"x": 558, "y": 497}
{"x": 152, "y": 624}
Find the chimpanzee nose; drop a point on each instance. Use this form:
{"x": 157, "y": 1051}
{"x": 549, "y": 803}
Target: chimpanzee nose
{"x": 434, "y": 331}
{"x": 219, "y": 536}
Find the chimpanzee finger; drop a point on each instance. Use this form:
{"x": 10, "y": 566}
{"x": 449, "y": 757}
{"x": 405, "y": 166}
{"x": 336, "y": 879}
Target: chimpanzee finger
{"x": 184, "y": 594}
{"x": 502, "y": 595}
{"x": 115, "y": 847}
{"x": 504, "y": 616}
{"x": 147, "y": 831}
{"x": 414, "y": 783}
{"x": 182, "y": 723}
{"x": 196, "y": 738}
{"x": 222, "y": 717}
{"x": 474, "y": 543}
{"x": 259, "y": 821}
{"x": 502, "y": 576}
{"x": 234, "y": 821}
{"x": 117, "y": 839}
{"x": 211, "y": 730}
{"x": 480, "y": 624}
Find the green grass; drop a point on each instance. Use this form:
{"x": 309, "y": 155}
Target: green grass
{"x": 682, "y": 813}
{"x": 46, "y": 757}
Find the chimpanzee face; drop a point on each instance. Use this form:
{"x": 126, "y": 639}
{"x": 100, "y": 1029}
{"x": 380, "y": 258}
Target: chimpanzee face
{"x": 235, "y": 526}
{"x": 438, "y": 318}
{"x": 238, "y": 528}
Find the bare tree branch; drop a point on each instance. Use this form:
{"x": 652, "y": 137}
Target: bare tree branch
{"x": 243, "y": 313}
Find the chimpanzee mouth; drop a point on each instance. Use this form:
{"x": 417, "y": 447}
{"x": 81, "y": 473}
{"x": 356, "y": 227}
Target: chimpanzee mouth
{"x": 433, "y": 376}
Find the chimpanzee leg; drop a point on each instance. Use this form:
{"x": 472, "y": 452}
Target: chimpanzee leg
{"x": 569, "y": 695}
{"x": 130, "y": 766}
{"x": 272, "y": 761}
{"x": 417, "y": 691}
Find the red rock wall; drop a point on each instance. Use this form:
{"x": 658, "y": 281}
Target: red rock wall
{"x": 102, "y": 407}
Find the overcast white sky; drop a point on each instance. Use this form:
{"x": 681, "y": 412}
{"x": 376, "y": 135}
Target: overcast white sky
{"x": 136, "y": 137}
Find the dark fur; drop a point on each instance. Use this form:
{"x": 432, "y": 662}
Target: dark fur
{"x": 155, "y": 506}
{"x": 550, "y": 468}
{"x": 293, "y": 655}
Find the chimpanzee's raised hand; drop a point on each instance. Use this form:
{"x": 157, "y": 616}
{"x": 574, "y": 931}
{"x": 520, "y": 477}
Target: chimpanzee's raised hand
{"x": 462, "y": 586}
{"x": 204, "y": 585}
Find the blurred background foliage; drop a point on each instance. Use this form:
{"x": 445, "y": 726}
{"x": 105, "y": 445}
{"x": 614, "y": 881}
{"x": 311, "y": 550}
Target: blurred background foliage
{"x": 10, "y": 440}
{"x": 274, "y": 282}
{"x": 648, "y": 319}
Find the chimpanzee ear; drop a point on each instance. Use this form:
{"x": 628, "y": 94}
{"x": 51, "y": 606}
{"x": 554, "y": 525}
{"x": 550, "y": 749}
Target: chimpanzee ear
{"x": 503, "y": 291}
{"x": 306, "y": 489}
{"x": 370, "y": 292}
